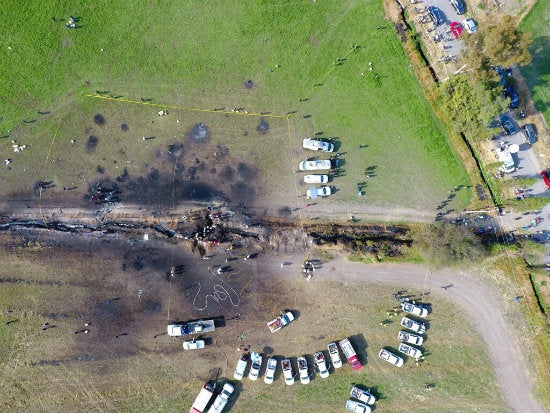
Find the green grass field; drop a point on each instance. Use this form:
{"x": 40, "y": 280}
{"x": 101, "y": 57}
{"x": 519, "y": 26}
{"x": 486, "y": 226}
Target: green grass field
{"x": 199, "y": 55}
{"x": 537, "y": 73}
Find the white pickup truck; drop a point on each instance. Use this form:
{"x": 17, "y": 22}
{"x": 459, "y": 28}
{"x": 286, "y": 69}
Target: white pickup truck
{"x": 191, "y": 327}
{"x": 334, "y": 355}
{"x": 409, "y": 350}
{"x": 319, "y": 358}
{"x": 302, "y": 369}
{"x": 364, "y": 396}
{"x": 317, "y": 165}
{"x": 410, "y": 338}
{"x": 414, "y": 309}
{"x": 203, "y": 398}
{"x": 222, "y": 399}
{"x": 288, "y": 373}
{"x": 280, "y": 322}
{"x": 416, "y": 326}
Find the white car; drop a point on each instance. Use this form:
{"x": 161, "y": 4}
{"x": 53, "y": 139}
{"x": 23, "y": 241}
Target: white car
{"x": 318, "y": 145}
{"x": 319, "y": 358}
{"x": 356, "y": 407}
{"x": 470, "y": 25}
{"x": 270, "y": 370}
{"x": 414, "y": 309}
{"x": 256, "y": 365}
{"x": 193, "y": 344}
{"x": 410, "y": 338}
{"x": 287, "y": 372}
{"x": 416, "y": 326}
{"x": 315, "y": 192}
{"x": 317, "y": 165}
{"x": 241, "y": 367}
{"x": 334, "y": 355}
{"x": 316, "y": 179}
{"x": 390, "y": 358}
{"x": 409, "y": 350}
{"x": 364, "y": 396}
{"x": 302, "y": 369}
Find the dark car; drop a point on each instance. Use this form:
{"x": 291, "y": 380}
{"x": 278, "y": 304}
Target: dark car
{"x": 530, "y": 133}
{"x": 458, "y": 5}
{"x": 546, "y": 177}
{"x": 508, "y": 126}
{"x": 503, "y": 74}
{"x": 510, "y": 92}
{"x": 435, "y": 15}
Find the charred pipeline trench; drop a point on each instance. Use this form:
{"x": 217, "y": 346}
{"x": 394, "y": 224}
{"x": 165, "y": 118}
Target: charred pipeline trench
{"x": 402, "y": 27}
{"x": 206, "y": 228}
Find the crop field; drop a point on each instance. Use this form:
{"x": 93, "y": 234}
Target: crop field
{"x": 276, "y": 73}
{"x": 537, "y": 72}
{"x": 127, "y": 363}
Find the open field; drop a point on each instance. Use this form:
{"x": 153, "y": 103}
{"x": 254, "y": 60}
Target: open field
{"x": 537, "y": 72}
{"x": 272, "y": 59}
{"x": 120, "y": 366}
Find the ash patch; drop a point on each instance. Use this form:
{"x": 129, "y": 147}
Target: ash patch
{"x": 200, "y": 192}
{"x": 199, "y": 133}
{"x": 92, "y": 143}
{"x": 175, "y": 151}
{"x": 263, "y": 126}
{"x": 284, "y": 211}
{"x": 152, "y": 307}
{"x": 99, "y": 119}
{"x": 228, "y": 173}
{"x": 243, "y": 191}
{"x": 153, "y": 175}
{"x": 248, "y": 84}
{"x": 247, "y": 172}
{"x": 124, "y": 127}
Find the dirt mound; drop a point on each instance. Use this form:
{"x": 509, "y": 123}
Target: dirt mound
{"x": 92, "y": 143}
{"x": 248, "y": 84}
{"x": 99, "y": 119}
{"x": 263, "y": 126}
{"x": 199, "y": 133}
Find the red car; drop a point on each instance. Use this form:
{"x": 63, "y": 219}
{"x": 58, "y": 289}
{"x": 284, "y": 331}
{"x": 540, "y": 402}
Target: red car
{"x": 546, "y": 177}
{"x": 456, "y": 29}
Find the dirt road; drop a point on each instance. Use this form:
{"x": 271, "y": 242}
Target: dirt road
{"x": 479, "y": 302}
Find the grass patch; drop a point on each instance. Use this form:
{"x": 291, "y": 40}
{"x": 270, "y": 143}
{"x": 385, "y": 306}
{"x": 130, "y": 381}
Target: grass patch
{"x": 288, "y": 50}
{"x": 537, "y": 73}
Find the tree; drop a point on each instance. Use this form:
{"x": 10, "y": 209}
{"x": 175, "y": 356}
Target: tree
{"x": 470, "y": 107}
{"x": 499, "y": 43}
{"x": 445, "y": 245}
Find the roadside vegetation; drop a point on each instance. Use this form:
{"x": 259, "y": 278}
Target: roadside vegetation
{"x": 530, "y": 280}
{"x": 537, "y": 74}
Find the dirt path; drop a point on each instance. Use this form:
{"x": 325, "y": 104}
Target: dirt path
{"x": 474, "y": 297}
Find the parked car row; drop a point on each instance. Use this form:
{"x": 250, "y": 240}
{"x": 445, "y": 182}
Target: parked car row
{"x": 304, "y": 374}
{"x": 408, "y": 339}
{"x": 438, "y": 19}
{"x": 317, "y": 165}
